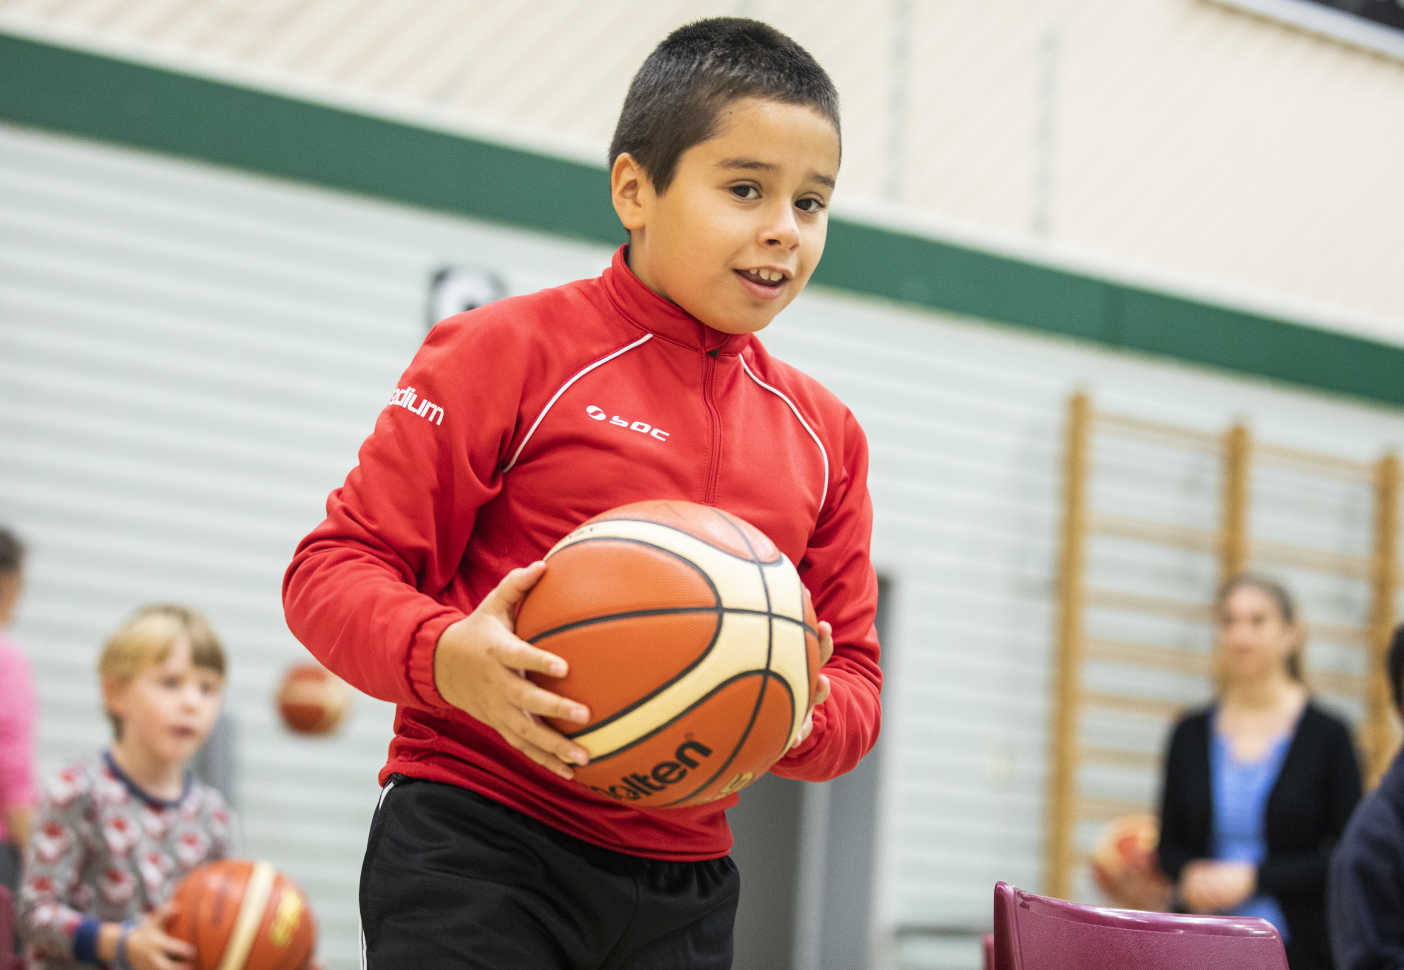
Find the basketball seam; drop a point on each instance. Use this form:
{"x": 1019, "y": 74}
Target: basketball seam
{"x": 697, "y": 661}
{"x": 765, "y": 681}
{"x": 251, "y": 911}
{"x": 702, "y": 573}
{"x": 663, "y": 611}
{"x": 757, "y": 672}
{"x": 720, "y": 611}
{"x": 680, "y": 531}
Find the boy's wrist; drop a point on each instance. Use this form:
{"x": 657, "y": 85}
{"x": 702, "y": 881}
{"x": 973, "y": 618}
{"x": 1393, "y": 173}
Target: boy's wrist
{"x": 423, "y": 660}
{"x": 106, "y": 945}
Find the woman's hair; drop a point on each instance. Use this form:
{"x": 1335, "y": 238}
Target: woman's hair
{"x": 1275, "y": 591}
{"x": 146, "y": 638}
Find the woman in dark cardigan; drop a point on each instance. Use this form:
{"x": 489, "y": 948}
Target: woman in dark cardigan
{"x": 1259, "y": 785}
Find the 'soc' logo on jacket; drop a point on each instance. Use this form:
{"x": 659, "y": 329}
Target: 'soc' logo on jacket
{"x": 642, "y": 427}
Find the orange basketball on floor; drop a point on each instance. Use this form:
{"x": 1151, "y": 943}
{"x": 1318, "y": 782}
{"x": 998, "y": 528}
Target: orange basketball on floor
{"x": 312, "y": 699}
{"x": 691, "y": 641}
{"x": 243, "y": 915}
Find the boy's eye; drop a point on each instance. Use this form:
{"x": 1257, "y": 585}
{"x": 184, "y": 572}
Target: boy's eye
{"x": 810, "y": 204}
{"x": 745, "y": 191}
{"x": 170, "y": 681}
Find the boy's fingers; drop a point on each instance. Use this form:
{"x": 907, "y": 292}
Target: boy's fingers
{"x": 515, "y": 585}
{"x": 541, "y": 756}
{"x": 520, "y": 655}
{"x": 821, "y": 693}
{"x": 804, "y": 731}
{"x": 176, "y": 947}
{"x": 543, "y": 703}
{"x": 543, "y": 738}
{"x": 826, "y": 642}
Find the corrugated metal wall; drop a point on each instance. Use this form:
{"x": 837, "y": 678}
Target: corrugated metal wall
{"x": 193, "y": 356}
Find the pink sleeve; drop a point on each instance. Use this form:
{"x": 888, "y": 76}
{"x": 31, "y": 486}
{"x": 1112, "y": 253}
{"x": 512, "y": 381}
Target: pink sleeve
{"x": 18, "y": 709}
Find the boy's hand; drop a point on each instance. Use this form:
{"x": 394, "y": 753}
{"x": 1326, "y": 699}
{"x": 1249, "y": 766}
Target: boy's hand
{"x": 478, "y": 668}
{"x": 150, "y": 947}
{"x": 821, "y": 693}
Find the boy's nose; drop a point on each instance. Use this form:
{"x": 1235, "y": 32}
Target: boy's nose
{"x": 782, "y": 229}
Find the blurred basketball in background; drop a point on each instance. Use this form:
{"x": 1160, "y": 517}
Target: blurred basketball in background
{"x": 1124, "y": 864}
{"x": 312, "y": 699}
{"x": 690, "y": 638}
{"x": 243, "y": 915}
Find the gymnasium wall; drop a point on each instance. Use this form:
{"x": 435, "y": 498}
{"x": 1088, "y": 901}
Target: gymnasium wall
{"x": 194, "y": 351}
{"x": 1187, "y": 141}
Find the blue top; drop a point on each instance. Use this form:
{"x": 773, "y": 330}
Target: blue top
{"x": 1241, "y": 790}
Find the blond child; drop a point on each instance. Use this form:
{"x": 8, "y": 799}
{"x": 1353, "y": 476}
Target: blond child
{"x": 114, "y": 833}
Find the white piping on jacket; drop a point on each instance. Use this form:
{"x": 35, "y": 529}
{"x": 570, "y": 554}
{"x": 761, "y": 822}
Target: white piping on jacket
{"x": 824, "y": 455}
{"x": 565, "y": 387}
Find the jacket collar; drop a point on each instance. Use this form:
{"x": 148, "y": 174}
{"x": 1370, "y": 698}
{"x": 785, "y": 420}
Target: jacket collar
{"x": 653, "y": 313}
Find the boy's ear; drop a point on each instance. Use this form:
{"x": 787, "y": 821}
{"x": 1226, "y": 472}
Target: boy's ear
{"x": 630, "y": 190}
{"x": 113, "y": 694}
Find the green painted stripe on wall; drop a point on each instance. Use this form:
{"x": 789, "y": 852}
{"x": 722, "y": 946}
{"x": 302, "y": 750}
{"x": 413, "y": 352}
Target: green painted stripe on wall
{"x": 94, "y": 96}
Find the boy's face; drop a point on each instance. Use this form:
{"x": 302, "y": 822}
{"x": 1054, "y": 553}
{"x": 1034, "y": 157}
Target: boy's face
{"x": 168, "y": 709}
{"x": 742, "y": 225}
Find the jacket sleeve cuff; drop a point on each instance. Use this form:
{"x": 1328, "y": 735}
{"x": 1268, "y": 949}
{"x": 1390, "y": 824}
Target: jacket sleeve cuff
{"x": 421, "y": 660}
{"x": 85, "y": 941}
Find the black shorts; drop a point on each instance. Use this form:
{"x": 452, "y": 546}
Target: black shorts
{"x": 456, "y": 881}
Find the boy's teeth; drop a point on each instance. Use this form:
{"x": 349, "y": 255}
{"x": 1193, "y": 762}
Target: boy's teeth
{"x": 766, "y": 275}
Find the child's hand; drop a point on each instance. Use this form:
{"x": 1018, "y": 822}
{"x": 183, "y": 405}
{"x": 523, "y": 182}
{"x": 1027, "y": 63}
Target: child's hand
{"x": 149, "y": 947}
{"x": 478, "y": 667}
{"x": 821, "y": 693}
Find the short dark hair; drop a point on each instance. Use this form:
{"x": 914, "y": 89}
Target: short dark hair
{"x": 1395, "y": 662}
{"x": 675, "y": 98}
{"x": 11, "y": 552}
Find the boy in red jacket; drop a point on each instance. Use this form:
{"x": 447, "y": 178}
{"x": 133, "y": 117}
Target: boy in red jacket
{"x": 499, "y": 440}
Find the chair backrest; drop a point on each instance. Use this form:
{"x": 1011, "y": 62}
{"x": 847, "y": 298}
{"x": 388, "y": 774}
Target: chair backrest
{"x": 1038, "y": 933}
{"x": 987, "y": 942}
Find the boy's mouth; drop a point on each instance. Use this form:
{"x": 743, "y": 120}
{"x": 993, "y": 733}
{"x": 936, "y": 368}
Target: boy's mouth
{"x": 772, "y": 278}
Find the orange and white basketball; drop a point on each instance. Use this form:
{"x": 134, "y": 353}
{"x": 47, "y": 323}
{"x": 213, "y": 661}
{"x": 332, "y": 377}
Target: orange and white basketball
{"x": 243, "y": 915}
{"x": 690, "y": 639}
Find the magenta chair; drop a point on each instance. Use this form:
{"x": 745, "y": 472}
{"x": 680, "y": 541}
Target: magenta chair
{"x": 1038, "y": 933}
{"x": 987, "y": 943}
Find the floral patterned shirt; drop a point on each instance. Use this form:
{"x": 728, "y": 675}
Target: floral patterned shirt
{"x": 102, "y": 850}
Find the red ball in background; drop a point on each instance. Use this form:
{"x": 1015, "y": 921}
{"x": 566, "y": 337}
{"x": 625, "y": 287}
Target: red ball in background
{"x": 243, "y": 915}
{"x": 312, "y": 699}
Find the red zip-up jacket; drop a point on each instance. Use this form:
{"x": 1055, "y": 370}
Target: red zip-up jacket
{"x": 515, "y": 423}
